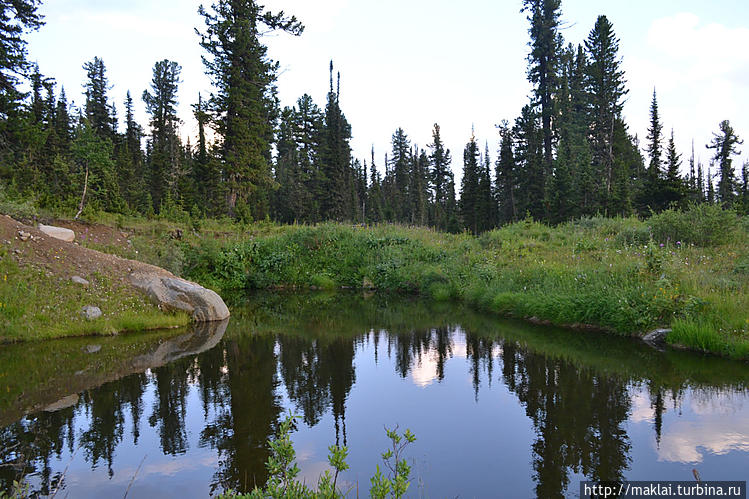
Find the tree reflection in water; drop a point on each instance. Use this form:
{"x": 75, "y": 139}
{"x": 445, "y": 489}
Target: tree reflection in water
{"x": 577, "y": 397}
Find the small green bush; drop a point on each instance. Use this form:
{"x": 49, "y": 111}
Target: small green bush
{"x": 702, "y": 225}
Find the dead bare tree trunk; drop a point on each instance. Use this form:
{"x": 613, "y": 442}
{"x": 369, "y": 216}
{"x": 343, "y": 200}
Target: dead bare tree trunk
{"x": 83, "y": 198}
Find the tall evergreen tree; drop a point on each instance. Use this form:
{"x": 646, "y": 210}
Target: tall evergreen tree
{"x": 674, "y": 184}
{"x": 375, "y": 209}
{"x": 543, "y": 59}
{"x": 17, "y": 17}
{"x": 744, "y": 199}
{"x": 310, "y": 126}
{"x": 98, "y": 111}
{"x": 531, "y": 176}
{"x": 335, "y": 158}
{"x": 605, "y": 82}
{"x": 288, "y": 201}
{"x": 243, "y": 108}
{"x": 440, "y": 176}
{"x": 486, "y": 209}
{"x": 161, "y": 105}
{"x": 419, "y": 185}
{"x": 725, "y": 142}
{"x": 400, "y": 166}
{"x": 506, "y": 182}
{"x": 655, "y": 138}
{"x": 652, "y": 193}
{"x": 469, "y": 188}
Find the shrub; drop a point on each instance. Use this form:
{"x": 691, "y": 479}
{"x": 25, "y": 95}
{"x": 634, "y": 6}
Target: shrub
{"x": 702, "y": 225}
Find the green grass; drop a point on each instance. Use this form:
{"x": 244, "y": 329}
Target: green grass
{"x": 685, "y": 270}
{"x": 607, "y": 273}
{"x": 36, "y": 305}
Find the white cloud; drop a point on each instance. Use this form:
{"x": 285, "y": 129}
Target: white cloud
{"x": 317, "y": 16}
{"x": 700, "y": 71}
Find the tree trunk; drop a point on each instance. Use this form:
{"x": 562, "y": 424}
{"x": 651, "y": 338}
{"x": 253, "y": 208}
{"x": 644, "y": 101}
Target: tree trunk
{"x": 83, "y": 198}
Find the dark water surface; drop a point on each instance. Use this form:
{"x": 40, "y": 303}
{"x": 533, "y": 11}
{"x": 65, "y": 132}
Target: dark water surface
{"x": 498, "y": 408}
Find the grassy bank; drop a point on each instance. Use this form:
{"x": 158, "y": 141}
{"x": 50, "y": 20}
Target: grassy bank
{"x": 688, "y": 271}
{"x": 36, "y": 304}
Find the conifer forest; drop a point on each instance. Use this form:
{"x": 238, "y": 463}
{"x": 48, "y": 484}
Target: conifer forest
{"x": 568, "y": 154}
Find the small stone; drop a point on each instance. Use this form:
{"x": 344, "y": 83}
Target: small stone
{"x": 656, "y": 337}
{"x": 92, "y": 348}
{"x": 17, "y": 251}
{"x": 79, "y": 280}
{"x": 90, "y": 312}
{"x": 23, "y": 235}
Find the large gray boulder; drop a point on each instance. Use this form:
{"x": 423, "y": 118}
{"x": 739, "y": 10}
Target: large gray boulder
{"x": 58, "y": 232}
{"x": 178, "y": 294}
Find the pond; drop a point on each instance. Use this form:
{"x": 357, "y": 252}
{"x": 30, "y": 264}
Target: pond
{"x": 499, "y": 408}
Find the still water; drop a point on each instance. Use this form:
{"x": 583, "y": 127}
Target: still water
{"x": 498, "y": 408}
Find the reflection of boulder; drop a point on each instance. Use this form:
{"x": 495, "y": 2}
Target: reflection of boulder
{"x": 66, "y": 372}
{"x": 205, "y": 335}
{"x": 63, "y": 403}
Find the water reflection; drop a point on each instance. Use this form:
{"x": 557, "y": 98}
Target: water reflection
{"x": 597, "y": 408}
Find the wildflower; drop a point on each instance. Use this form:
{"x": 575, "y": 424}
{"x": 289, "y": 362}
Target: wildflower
{"x": 678, "y": 243}
{"x": 661, "y": 245}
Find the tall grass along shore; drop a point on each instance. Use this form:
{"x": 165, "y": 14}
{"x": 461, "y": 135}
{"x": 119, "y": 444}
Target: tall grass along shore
{"x": 684, "y": 270}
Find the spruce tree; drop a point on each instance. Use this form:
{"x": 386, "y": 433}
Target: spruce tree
{"x": 469, "y": 188}
{"x": 17, "y": 18}
{"x": 506, "y": 182}
{"x": 418, "y": 191}
{"x": 725, "y": 143}
{"x": 627, "y": 161}
{"x": 486, "y": 209}
{"x": 605, "y": 81}
{"x": 652, "y": 196}
{"x": 335, "y": 159}
{"x": 531, "y": 177}
{"x": 743, "y": 205}
{"x": 400, "y": 166}
{"x": 243, "y": 107}
{"x": 654, "y": 146}
{"x": 543, "y": 59}
{"x": 375, "y": 211}
{"x": 98, "y": 111}
{"x": 287, "y": 204}
{"x": 310, "y": 126}
{"x": 440, "y": 176}
{"x": 674, "y": 184}
{"x": 161, "y": 105}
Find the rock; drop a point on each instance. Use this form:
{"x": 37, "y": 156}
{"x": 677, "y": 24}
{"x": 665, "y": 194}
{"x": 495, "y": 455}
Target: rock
{"x": 58, "y": 232}
{"x": 91, "y": 313}
{"x": 178, "y": 294}
{"x": 23, "y": 235}
{"x": 656, "y": 336}
{"x": 92, "y": 348}
{"x": 79, "y": 280}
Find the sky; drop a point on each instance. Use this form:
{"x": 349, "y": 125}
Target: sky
{"x": 413, "y": 63}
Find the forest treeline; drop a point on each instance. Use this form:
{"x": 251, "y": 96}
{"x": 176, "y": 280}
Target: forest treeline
{"x": 569, "y": 153}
